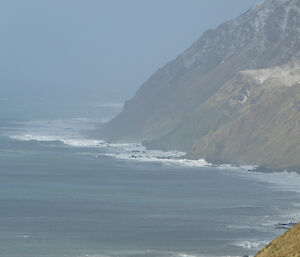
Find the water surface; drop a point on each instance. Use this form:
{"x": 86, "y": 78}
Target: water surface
{"x": 71, "y": 201}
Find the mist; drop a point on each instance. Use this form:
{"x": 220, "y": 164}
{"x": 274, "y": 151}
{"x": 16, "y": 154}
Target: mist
{"x": 76, "y": 58}
{"x": 149, "y": 128}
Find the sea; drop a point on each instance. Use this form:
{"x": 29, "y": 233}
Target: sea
{"x": 63, "y": 194}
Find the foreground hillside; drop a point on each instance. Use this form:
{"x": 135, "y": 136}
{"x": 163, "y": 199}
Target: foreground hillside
{"x": 287, "y": 245}
{"x": 233, "y": 96}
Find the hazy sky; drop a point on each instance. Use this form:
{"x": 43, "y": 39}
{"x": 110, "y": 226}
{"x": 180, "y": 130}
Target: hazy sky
{"x": 98, "y": 48}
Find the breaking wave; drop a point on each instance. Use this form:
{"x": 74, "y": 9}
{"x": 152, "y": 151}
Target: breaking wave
{"x": 77, "y": 142}
{"x": 251, "y": 245}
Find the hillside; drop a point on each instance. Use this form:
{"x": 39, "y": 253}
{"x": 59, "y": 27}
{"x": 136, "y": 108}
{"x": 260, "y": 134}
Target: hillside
{"x": 233, "y": 96}
{"x": 287, "y": 245}
{"x": 261, "y": 113}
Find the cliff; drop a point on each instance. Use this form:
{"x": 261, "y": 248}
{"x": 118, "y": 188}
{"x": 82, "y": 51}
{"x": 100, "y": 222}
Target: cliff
{"x": 223, "y": 99}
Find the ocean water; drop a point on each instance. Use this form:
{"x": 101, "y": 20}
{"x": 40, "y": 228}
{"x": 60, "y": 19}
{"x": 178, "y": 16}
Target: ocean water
{"x": 64, "y": 195}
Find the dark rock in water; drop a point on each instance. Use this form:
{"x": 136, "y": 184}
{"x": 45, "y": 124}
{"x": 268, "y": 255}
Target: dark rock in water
{"x": 246, "y": 256}
{"x": 285, "y": 225}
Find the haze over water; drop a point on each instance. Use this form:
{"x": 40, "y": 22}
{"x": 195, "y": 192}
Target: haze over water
{"x": 65, "y": 67}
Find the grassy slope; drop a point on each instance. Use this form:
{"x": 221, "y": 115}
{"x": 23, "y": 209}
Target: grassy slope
{"x": 264, "y": 130}
{"x": 287, "y": 245}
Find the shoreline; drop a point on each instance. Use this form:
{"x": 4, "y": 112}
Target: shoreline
{"x": 252, "y": 167}
{"x": 82, "y": 133}
{"x": 140, "y": 152}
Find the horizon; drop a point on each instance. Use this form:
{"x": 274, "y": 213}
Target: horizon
{"x": 60, "y": 52}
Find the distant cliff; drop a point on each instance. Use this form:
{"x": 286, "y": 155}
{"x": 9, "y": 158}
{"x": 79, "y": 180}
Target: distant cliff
{"x": 287, "y": 245}
{"x": 233, "y": 96}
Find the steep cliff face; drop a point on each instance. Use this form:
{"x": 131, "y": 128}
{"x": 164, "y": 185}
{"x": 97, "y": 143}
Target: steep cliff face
{"x": 175, "y": 107}
{"x": 284, "y": 246}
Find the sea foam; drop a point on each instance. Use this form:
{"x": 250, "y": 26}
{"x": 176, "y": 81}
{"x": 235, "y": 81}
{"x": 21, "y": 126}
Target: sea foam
{"x": 77, "y": 142}
{"x": 251, "y": 245}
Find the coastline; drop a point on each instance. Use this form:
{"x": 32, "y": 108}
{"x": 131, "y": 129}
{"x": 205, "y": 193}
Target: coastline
{"x": 215, "y": 161}
{"x": 82, "y": 134}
